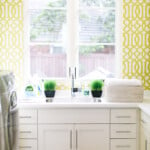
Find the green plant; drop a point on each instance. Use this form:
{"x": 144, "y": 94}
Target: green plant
{"x": 29, "y": 88}
{"x": 49, "y": 85}
{"x": 96, "y": 85}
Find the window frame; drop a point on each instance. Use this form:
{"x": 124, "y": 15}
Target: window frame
{"x": 72, "y": 48}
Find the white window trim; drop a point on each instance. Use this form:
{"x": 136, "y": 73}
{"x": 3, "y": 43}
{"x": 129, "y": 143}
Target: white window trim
{"x": 119, "y": 37}
{"x": 72, "y": 47}
{"x": 72, "y": 34}
{"x": 26, "y": 68}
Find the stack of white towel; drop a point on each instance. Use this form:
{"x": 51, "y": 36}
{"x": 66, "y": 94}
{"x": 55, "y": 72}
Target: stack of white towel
{"x": 123, "y": 90}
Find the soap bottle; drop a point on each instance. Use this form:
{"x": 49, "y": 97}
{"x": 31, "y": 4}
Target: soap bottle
{"x": 86, "y": 91}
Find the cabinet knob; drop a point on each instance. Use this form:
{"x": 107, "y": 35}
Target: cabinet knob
{"x": 70, "y": 139}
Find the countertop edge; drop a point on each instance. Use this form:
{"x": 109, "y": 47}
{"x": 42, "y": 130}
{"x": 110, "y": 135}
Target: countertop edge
{"x": 78, "y": 105}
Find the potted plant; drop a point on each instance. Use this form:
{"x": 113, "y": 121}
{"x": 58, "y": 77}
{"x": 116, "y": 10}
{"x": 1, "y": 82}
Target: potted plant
{"x": 49, "y": 88}
{"x": 96, "y": 88}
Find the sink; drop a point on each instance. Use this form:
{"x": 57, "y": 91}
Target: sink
{"x": 72, "y": 100}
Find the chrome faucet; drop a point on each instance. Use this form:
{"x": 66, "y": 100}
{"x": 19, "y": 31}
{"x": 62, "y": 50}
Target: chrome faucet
{"x": 72, "y": 85}
{"x": 72, "y": 74}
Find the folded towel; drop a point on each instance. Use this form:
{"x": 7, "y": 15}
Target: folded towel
{"x": 123, "y": 90}
{"x": 131, "y": 100}
{"x": 122, "y": 82}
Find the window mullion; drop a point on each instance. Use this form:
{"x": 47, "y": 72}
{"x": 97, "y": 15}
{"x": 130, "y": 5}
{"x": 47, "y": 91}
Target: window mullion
{"x": 72, "y": 33}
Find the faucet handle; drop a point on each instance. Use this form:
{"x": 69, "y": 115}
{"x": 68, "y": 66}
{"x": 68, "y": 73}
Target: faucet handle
{"x": 75, "y": 73}
{"x": 69, "y": 71}
{"x": 72, "y": 72}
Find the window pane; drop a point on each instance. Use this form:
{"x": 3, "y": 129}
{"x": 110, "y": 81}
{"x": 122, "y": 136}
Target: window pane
{"x": 46, "y": 3}
{"x": 99, "y": 3}
{"x": 47, "y": 25}
{"x": 97, "y": 26}
{"x": 97, "y": 61}
{"x": 48, "y": 60}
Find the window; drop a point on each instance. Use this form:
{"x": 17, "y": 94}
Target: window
{"x": 72, "y": 33}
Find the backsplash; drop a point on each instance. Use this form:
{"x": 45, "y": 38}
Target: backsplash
{"x": 136, "y": 41}
{"x": 11, "y": 37}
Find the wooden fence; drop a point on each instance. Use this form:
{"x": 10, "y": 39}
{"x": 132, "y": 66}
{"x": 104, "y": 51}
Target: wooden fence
{"x": 54, "y": 65}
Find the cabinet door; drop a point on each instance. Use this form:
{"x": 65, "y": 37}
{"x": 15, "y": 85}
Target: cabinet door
{"x": 92, "y": 137}
{"x": 27, "y": 144}
{"x": 143, "y": 141}
{"x": 54, "y": 137}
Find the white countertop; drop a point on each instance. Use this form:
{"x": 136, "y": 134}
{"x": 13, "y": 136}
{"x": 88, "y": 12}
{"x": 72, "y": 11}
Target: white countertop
{"x": 40, "y": 103}
{"x": 78, "y": 105}
{"x": 145, "y": 107}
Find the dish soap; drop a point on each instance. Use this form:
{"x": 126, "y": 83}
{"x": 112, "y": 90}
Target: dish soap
{"x": 86, "y": 91}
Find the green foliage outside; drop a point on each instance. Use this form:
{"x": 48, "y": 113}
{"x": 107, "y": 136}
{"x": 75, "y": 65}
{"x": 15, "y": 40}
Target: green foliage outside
{"x": 88, "y": 49}
{"x": 57, "y": 3}
{"x": 49, "y": 85}
{"x": 47, "y": 21}
{"x": 96, "y": 85}
{"x": 105, "y": 3}
{"x": 51, "y": 21}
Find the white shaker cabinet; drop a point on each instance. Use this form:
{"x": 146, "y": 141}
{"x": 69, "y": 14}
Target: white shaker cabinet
{"x": 76, "y": 128}
{"x": 145, "y": 132}
{"x": 124, "y": 128}
{"x": 73, "y": 129}
{"x": 28, "y": 129}
{"x": 92, "y": 137}
{"x": 68, "y": 137}
{"x": 55, "y": 137}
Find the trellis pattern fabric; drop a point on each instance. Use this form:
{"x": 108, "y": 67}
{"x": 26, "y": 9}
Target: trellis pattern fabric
{"x": 11, "y": 37}
{"x": 136, "y": 41}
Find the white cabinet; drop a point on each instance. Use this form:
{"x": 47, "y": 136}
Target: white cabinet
{"x": 123, "y": 144}
{"x": 143, "y": 140}
{"x": 73, "y": 136}
{"x": 145, "y": 132}
{"x": 28, "y": 129}
{"x": 92, "y": 137}
{"x": 73, "y": 129}
{"x": 55, "y": 137}
{"x": 78, "y": 129}
{"x": 123, "y": 129}
{"x": 27, "y": 144}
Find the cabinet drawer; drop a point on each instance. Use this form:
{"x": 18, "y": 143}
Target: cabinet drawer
{"x": 25, "y": 144}
{"x": 27, "y": 116}
{"x": 123, "y": 131}
{"x": 123, "y": 115}
{"x": 73, "y": 115}
{"x": 123, "y": 144}
{"x": 27, "y": 131}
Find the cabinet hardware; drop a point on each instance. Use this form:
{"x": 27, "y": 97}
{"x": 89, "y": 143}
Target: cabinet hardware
{"x": 123, "y": 131}
{"x": 145, "y": 144}
{"x": 123, "y": 116}
{"x": 70, "y": 139}
{"x": 23, "y": 147}
{"x": 25, "y": 117}
{"x": 25, "y": 132}
{"x": 123, "y": 146}
{"x": 76, "y": 139}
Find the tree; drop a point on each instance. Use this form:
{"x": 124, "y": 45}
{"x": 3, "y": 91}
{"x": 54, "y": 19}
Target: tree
{"x": 47, "y": 21}
{"x": 103, "y": 3}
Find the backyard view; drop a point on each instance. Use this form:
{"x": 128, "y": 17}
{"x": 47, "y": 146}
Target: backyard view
{"x": 96, "y": 41}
